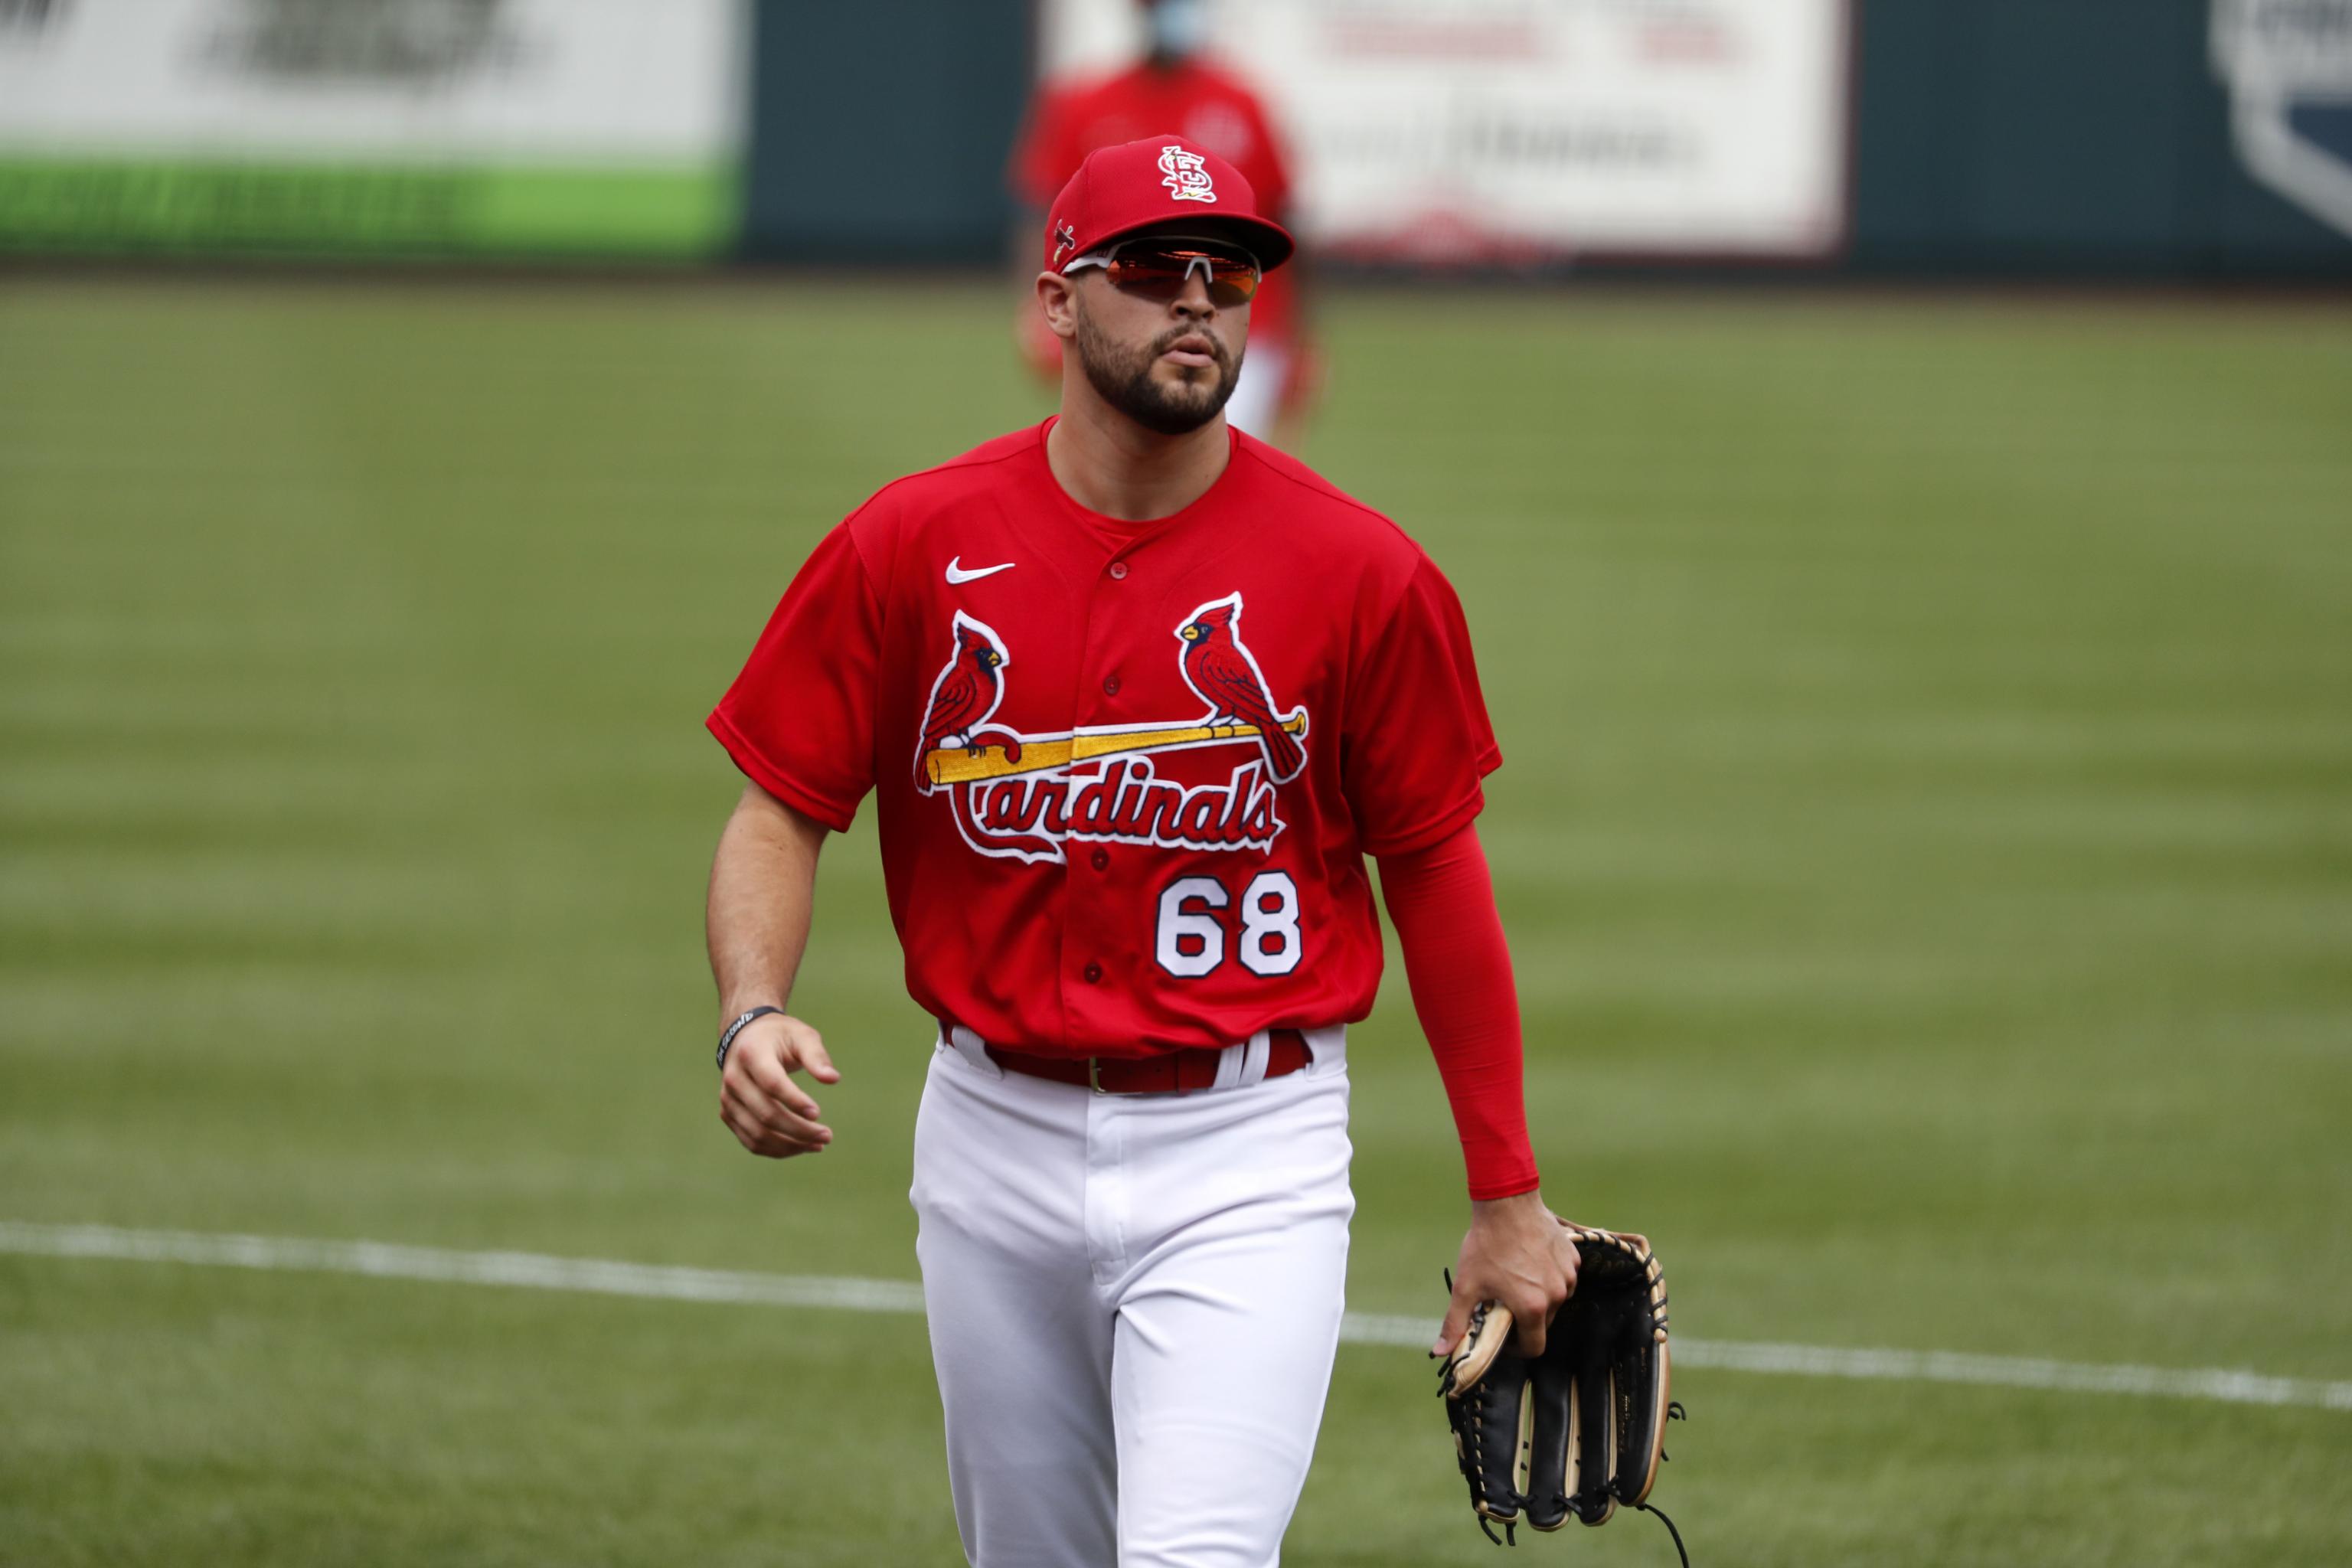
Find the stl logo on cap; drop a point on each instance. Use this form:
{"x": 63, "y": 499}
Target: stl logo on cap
{"x": 1188, "y": 174}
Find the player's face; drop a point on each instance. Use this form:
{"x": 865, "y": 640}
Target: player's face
{"x": 1166, "y": 361}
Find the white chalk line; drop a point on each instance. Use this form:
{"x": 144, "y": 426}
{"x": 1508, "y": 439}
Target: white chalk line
{"x": 540, "y": 1271}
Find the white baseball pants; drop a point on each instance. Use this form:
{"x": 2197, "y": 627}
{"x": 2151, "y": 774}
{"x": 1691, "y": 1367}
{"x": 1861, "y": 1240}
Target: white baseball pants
{"x": 1134, "y": 1304}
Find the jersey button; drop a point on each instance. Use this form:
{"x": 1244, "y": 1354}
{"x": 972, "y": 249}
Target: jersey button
{"x": 1101, "y": 858}
{"x": 1117, "y": 569}
{"x": 1093, "y": 973}
{"x": 1110, "y": 685}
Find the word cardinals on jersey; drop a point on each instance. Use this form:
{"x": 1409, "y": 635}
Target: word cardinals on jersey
{"x": 1128, "y": 774}
{"x": 1029, "y": 813}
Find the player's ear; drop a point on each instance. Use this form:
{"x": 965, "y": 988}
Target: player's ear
{"x": 1058, "y": 297}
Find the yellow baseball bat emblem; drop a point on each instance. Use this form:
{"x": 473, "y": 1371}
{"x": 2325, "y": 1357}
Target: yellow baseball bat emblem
{"x": 954, "y": 765}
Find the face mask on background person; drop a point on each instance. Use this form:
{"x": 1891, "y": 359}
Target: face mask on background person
{"x": 1178, "y": 27}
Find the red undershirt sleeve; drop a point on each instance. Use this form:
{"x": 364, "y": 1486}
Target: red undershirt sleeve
{"x": 1441, "y": 898}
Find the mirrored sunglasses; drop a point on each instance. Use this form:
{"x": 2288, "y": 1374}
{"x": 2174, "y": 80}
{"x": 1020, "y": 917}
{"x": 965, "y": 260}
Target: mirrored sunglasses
{"x": 1158, "y": 267}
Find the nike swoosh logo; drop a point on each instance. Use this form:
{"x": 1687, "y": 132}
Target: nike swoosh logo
{"x": 956, "y": 574}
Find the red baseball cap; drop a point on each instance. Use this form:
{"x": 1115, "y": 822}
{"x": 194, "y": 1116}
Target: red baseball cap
{"x": 1158, "y": 182}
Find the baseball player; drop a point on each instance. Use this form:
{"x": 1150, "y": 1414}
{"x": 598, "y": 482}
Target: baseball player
{"x": 1136, "y": 697}
{"x": 1174, "y": 84}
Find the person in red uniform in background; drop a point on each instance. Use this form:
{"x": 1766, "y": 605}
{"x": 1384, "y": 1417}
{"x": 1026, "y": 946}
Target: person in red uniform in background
{"x": 1173, "y": 90}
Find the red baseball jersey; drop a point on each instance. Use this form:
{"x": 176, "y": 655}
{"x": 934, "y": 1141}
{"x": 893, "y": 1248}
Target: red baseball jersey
{"x": 1126, "y": 773}
{"x": 1200, "y": 102}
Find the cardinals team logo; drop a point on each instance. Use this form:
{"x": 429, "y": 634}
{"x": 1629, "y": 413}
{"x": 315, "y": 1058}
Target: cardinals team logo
{"x": 964, "y": 695}
{"x": 1022, "y": 796}
{"x": 1225, "y": 675}
{"x": 1187, "y": 174}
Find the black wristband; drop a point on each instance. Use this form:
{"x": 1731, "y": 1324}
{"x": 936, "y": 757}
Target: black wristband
{"x": 727, "y": 1040}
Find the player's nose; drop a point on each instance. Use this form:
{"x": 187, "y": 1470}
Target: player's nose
{"x": 1192, "y": 300}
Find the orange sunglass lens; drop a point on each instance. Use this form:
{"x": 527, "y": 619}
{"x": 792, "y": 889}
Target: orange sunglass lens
{"x": 1163, "y": 272}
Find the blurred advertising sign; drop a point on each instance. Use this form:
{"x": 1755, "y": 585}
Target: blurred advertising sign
{"x": 451, "y": 127}
{"x": 2288, "y": 66}
{"x": 1482, "y": 130}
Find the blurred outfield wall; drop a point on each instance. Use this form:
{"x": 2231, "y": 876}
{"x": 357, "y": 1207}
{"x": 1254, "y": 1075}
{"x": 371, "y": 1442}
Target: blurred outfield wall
{"x": 2142, "y": 139}
{"x": 539, "y": 127}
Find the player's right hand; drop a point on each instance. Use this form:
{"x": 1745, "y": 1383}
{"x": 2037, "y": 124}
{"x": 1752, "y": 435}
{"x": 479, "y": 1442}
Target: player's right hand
{"x": 767, "y": 1113}
{"x": 1516, "y": 1252}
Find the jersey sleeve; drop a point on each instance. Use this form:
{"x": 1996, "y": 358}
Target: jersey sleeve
{"x": 1440, "y": 899}
{"x": 799, "y": 720}
{"x": 1416, "y": 741}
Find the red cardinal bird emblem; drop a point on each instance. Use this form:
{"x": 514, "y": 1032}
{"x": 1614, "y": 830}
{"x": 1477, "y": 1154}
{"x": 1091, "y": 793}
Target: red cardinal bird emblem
{"x": 1222, "y": 672}
{"x": 965, "y": 694}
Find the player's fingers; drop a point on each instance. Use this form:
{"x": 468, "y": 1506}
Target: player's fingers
{"x": 770, "y": 1121}
{"x": 805, "y": 1049}
{"x": 727, "y": 1116}
{"x": 767, "y": 1069}
{"x": 757, "y": 1110}
{"x": 1561, "y": 1269}
{"x": 774, "y": 1147}
{"x": 1457, "y": 1323}
{"x": 762, "y": 1141}
{"x": 1532, "y": 1309}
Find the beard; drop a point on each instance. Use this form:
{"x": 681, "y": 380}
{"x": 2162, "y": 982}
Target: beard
{"x": 1123, "y": 376}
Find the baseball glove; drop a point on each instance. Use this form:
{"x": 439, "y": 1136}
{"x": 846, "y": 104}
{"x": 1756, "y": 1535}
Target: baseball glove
{"x": 1580, "y": 1428}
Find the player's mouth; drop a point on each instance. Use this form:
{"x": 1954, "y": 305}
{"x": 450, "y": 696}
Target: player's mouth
{"x": 1192, "y": 348}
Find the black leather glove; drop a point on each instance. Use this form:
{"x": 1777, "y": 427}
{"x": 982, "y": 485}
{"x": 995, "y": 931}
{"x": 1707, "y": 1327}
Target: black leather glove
{"x": 1580, "y": 1428}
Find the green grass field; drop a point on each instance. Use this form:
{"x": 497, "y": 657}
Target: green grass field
{"x": 1925, "y": 840}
